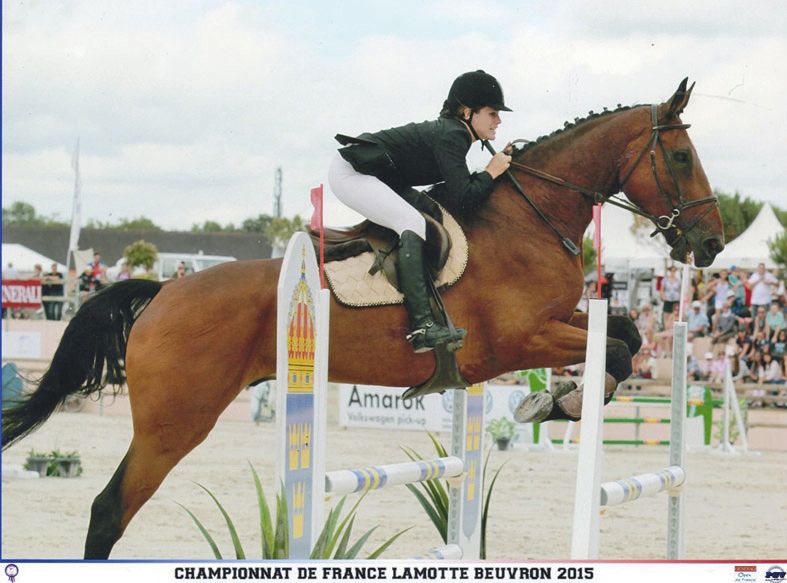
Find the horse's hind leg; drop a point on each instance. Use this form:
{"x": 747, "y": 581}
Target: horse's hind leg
{"x": 138, "y": 476}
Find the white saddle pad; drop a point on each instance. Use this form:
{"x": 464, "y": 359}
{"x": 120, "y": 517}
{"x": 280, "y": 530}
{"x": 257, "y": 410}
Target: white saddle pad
{"x": 352, "y": 285}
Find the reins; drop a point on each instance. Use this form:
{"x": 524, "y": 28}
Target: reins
{"x": 662, "y": 222}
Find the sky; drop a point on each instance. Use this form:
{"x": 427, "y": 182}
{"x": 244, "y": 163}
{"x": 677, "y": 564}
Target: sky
{"x": 184, "y": 110}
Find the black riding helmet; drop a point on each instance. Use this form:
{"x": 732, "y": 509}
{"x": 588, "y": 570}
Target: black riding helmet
{"x": 475, "y": 90}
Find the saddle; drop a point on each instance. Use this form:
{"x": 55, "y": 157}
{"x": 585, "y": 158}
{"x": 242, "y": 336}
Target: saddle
{"x": 366, "y": 237}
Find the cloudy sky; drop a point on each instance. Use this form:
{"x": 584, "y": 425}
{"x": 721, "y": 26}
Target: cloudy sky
{"x": 185, "y": 109}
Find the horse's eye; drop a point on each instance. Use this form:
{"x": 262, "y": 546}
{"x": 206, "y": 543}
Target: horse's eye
{"x": 680, "y": 156}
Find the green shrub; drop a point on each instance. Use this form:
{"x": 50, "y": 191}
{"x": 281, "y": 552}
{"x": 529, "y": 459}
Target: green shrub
{"x": 332, "y": 543}
{"x": 434, "y": 497}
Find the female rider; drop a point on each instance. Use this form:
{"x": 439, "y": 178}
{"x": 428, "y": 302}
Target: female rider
{"x": 369, "y": 171}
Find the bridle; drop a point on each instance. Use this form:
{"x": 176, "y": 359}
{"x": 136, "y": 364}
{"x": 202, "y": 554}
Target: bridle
{"x": 663, "y": 223}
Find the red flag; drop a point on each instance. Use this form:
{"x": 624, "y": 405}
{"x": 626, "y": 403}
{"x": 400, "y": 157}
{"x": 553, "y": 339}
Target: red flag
{"x": 316, "y": 225}
{"x": 316, "y": 196}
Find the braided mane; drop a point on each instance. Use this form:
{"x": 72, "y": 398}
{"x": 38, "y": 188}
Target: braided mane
{"x": 569, "y": 126}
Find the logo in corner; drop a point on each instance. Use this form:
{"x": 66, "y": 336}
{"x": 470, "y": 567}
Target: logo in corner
{"x": 11, "y": 571}
{"x": 745, "y": 573}
{"x": 774, "y": 575}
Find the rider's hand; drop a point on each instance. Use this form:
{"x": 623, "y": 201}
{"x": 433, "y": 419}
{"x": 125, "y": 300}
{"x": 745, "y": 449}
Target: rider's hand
{"x": 498, "y": 164}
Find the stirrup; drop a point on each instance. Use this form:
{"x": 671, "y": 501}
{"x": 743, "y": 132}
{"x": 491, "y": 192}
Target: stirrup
{"x": 452, "y": 342}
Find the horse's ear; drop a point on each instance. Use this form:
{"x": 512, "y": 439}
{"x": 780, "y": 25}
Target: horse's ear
{"x": 677, "y": 103}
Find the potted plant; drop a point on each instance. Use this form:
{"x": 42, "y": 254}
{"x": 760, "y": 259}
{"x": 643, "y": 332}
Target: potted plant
{"x": 502, "y": 432}
{"x": 54, "y": 463}
{"x": 68, "y": 464}
{"x": 38, "y": 461}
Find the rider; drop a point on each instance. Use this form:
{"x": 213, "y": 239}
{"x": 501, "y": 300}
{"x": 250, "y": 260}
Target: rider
{"x": 369, "y": 171}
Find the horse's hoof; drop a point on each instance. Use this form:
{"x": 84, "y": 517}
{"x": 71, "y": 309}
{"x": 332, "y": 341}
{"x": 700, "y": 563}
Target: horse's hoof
{"x": 534, "y": 408}
{"x": 563, "y": 389}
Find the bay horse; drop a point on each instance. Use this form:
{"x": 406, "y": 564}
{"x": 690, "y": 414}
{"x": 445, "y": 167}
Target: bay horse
{"x": 187, "y": 347}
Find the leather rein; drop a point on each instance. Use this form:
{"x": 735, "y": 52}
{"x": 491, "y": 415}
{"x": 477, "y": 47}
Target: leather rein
{"x": 663, "y": 223}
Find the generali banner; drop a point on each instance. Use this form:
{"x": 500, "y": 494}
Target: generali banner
{"x": 21, "y": 293}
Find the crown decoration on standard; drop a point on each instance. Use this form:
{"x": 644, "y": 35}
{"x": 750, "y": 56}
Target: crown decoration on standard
{"x": 300, "y": 337}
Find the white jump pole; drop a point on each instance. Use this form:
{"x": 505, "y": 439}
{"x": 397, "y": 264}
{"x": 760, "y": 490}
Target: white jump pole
{"x": 675, "y": 534}
{"x": 731, "y": 403}
{"x": 584, "y": 539}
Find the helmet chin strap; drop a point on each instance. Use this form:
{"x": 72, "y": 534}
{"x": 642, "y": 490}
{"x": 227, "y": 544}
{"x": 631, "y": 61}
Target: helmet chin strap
{"x": 469, "y": 122}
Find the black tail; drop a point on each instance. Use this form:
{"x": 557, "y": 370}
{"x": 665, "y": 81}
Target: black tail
{"x": 90, "y": 356}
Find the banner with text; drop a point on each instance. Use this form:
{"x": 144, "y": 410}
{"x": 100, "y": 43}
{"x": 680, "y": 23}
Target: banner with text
{"x": 21, "y": 293}
{"x": 378, "y": 407}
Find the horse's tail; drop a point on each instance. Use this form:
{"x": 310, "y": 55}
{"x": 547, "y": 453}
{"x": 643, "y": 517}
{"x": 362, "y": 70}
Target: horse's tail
{"x": 90, "y": 356}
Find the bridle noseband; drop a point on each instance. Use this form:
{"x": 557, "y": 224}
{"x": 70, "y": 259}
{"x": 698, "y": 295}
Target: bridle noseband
{"x": 663, "y": 222}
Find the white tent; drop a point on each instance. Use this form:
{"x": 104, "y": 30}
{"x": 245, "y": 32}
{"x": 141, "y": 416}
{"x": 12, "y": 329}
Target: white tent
{"x": 24, "y": 259}
{"x": 751, "y": 247}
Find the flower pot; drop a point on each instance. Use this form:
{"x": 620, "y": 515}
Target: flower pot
{"x": 503, "y": 443}
{"x": 68, "y": 467}
{"x": 37, "y": 464}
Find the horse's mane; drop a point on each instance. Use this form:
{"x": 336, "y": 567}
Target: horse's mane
{"x": 570, "y": 126}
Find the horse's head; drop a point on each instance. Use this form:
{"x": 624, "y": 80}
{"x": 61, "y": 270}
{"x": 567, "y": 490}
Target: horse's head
{"x": 663, "y": 175}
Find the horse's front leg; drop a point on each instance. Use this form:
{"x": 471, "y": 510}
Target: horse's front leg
{"x": 620, "y": 327}
{"x": 564, "y": 344}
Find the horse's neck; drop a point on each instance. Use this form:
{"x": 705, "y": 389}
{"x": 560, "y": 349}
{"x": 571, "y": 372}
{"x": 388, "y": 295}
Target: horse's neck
{"x": 589, "y": 158}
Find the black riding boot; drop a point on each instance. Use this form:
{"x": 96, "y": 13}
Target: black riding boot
{"x": 425, "y": 332}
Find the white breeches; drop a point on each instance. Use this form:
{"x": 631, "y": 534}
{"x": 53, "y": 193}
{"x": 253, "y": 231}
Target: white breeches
{"x": 374, "y": 199}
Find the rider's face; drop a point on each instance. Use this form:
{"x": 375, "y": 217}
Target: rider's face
{"x": 485, "y": 122}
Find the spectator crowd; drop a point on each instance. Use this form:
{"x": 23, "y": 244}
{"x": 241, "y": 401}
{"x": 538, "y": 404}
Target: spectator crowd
{"x": 737, "y": 317}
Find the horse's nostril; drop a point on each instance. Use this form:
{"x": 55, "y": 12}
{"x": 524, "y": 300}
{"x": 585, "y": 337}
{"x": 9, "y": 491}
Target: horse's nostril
{"x": 712, "y": 245}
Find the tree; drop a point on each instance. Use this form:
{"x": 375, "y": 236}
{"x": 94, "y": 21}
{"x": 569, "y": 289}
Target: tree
{"x": 280, "y": 230}
{"x": 589, "y": 255}
{"x": 141, "y": 253}
{"x": 140, "y": 223}
{"x": 209, "y": 227}
{"x": 23, "y": 213}
{"x": 20, "y": 213}
{"x": 778, "y": 249}
{"x": 258, "y": 224}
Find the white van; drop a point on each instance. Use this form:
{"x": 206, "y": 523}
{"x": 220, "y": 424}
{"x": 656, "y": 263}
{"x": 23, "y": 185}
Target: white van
{"x": 167, "y": 264}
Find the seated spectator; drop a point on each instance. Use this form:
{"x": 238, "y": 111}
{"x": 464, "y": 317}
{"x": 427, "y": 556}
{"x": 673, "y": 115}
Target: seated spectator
{"x": 693, "y": 368}
{"x": 644, "y": 364}
{"x": 181, "y": 270}
{"x": 704, "y": 366}
{"x": 759, "y": 320}
{"x": 697, "y": 321}
{"x": 771, "y": 371}
{"x": 778, "y": 346}
{"x": 740, "y": 370}
{"x": 761, "y": 342}
{"x": 718, "y": 368}
{"x": 774, "y": 321}
{"x": 725, "y": 324}
{"x": 754, "y": 362}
